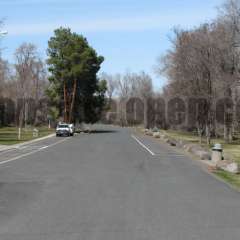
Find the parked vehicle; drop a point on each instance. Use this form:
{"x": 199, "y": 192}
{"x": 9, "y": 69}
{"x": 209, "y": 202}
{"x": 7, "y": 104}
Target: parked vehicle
{"x": 72, "y": 129}
{"x": 63, "y": 129}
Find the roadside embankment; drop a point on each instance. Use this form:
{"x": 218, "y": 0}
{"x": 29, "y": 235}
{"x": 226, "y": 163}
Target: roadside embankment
{"x": 9, "y": 136}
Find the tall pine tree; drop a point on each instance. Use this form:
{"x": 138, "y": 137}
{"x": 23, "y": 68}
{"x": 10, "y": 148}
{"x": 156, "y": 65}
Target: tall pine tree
{"x": 73, "y": 65}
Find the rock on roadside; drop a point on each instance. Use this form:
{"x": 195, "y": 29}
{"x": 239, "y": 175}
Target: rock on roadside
{"x": 228, "y": 166}
{"x": 156, "y": 134}
{"x": 196, "y": 150}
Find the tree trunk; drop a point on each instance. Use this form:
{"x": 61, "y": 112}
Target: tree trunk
{"x": 208, "y": 134}
{"x": 65, "y": 102}
{"x": 73, "y": 100}
{"x": 228, "y": 127}
{"x": 25, "y": 113}
{"x": 200, "y": 134}
{"x": 146, "y": 125}
{"x": 20, "y": 122}
{"x": 228, "y": 134}
{"x": 36, "y": 102}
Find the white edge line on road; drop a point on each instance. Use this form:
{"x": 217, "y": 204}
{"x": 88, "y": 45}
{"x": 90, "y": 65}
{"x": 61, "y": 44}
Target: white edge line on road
{"x": 141, "y": 144}
{"x": 18, "y": 146}
{"x": 44, "y": 147}
{"x": 30, "y": 153}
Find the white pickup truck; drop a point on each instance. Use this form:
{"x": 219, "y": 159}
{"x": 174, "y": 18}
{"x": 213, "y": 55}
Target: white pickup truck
{"x": 64, "y": 129}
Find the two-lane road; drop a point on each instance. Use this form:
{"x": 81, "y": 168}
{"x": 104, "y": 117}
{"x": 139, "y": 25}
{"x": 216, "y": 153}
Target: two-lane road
{"x": 112, "y": 186}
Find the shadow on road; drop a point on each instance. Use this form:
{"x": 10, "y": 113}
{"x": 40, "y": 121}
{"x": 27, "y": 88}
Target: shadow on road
{"x": 103, "y": 131}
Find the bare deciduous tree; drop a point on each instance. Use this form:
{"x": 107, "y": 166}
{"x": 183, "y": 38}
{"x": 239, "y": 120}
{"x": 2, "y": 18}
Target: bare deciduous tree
{"x": 30, "y": 76}
{"x": 122, "y": 87}
{"x": 204, "y": 62}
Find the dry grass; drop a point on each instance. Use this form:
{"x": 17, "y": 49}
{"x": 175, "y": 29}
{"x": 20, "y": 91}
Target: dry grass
{"x": 9, "y": 135}
{"x": 232, "y": 149}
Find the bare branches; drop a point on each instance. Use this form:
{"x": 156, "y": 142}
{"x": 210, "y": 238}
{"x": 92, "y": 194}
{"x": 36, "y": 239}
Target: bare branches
{"x": 134, "y": 85}
{"x": 205, "y": 62}
{"x": 30, "y": 78}
{"x": 111, "y": 84}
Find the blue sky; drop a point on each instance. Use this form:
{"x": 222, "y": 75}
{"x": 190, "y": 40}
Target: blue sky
{"x": 130, "y": 34}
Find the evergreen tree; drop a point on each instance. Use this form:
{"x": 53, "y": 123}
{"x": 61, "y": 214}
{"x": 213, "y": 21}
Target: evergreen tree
{"x": 73, "y": 65}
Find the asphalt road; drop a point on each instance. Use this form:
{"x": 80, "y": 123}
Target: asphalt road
{"x": 110, "y": 186}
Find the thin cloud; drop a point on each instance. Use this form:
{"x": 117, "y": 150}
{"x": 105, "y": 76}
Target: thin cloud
{"x": 34, "y": 2}
{"x": 110, "y": 25}
{"x": 23, "y": 2}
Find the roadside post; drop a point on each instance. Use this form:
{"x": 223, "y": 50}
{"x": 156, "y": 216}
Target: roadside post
{"x": 217, "y": 153}
{"x": 49, "y": 119}
{"x": 35, "y": 133}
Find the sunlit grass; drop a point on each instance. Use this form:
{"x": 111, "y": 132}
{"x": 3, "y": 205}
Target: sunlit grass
{"x": 186, "y": 136}
{"x": 233, "y": 179}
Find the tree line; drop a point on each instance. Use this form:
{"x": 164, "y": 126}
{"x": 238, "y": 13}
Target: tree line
{"x": 63, "y": 88}
{"x": 203, "y": 80}
{"x": 202, "y": 66}
{"x": 120, "y": 89}
{"x": 22, "y": 85}
{"x": 204, "y": 62}
{"x": 66, "y": 87}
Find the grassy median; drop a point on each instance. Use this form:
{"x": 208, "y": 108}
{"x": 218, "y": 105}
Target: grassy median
{"x": 9, "y": 135}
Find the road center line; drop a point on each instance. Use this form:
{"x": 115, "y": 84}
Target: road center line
{"x": 30, "y": 153}
{"x": 141, "y": 144}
